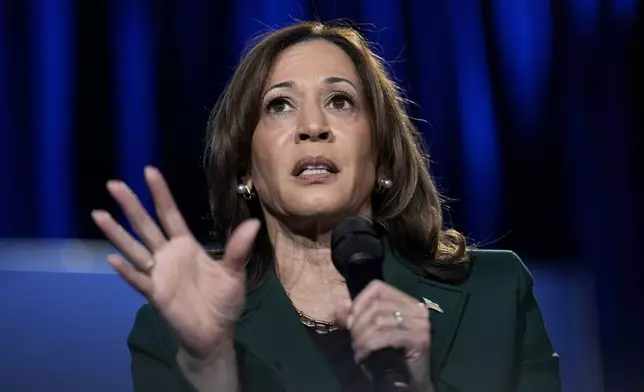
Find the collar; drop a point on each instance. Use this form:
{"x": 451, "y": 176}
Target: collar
{"x": 270, "y": 328}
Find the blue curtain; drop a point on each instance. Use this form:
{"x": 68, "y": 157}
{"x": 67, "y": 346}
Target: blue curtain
{"x": 531, "y": 110}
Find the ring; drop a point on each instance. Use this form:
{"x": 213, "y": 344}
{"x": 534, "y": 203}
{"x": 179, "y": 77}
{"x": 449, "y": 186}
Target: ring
{"x": 149, "y": 265}
{"x": 399, "y": 319}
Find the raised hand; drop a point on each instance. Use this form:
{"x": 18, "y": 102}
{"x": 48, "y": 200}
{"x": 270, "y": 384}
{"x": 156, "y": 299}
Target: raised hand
{"x": 199, "y": 297}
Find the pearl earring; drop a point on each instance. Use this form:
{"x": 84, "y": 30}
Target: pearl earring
{"x": 384, "y": 184}
{"x": 244, "y": 190}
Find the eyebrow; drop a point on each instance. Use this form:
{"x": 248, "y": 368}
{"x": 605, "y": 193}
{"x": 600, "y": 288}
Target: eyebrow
{"x": 329, "y": 81}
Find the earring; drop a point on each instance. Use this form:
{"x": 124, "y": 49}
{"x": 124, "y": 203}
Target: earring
{"x": 244, "y": 190}
{"x": 384, "y": 184}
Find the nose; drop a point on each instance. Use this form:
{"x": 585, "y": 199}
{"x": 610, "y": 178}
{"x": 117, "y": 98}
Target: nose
{"x": 315, "y": 135}
{"x": 312, "y": 125}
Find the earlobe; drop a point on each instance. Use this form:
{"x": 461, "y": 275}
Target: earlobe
{"x": 247, "y": 181}
{"x": 384, "y": 181}
{"x": 383, "y": 184}
{"x": 246, "y": 189}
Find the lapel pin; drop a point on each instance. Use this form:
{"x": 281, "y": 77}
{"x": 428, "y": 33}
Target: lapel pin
{"x": 429, "y": 304}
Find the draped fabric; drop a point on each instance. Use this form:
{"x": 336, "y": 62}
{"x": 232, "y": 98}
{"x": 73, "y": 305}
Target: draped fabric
{"x": 531, "y": 111}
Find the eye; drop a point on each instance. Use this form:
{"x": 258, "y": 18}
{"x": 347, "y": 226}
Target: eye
{"x": 278, "y": 105}
{"x": 340, "y": 102}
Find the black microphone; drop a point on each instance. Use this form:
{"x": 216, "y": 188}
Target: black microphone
{"x": 357, "y": 253}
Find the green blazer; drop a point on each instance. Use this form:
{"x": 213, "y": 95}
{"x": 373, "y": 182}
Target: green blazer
{"x": 490, "y": 336}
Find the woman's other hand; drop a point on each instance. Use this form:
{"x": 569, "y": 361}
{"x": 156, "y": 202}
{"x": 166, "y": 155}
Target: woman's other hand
{"x": 382, "y": 316}
{"x": 199, "y": 297}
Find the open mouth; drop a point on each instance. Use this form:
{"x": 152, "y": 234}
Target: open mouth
{"x": 311, "y": 170}
{"x": 312, "y": 166}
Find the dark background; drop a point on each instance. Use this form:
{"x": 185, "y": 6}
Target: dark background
{"x": 531, "y": 109}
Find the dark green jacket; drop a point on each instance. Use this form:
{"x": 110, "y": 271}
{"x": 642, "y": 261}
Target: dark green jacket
{"x": 490, "y": 336}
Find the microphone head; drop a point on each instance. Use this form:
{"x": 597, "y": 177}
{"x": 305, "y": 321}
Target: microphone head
{"x": 356, "y": 250}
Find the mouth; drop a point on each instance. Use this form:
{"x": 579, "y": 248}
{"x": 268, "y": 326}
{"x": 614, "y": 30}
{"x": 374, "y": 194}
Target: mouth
{"x": 312, "y": 166}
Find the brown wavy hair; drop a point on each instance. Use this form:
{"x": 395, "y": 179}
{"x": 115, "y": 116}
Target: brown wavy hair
{"x": 409, "y": 213}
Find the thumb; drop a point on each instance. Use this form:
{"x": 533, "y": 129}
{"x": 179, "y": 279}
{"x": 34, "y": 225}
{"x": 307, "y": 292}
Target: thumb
{"x": 342, "y": 314}
{"x": 239, "y": 244}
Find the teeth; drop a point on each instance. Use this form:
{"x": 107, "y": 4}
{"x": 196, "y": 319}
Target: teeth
{"x": 315, "y": 171}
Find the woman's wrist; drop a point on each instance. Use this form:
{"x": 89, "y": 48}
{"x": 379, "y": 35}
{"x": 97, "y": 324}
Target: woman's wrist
{"x": 213, "y": 372}
{"x": 425, "y": 384}
{"x": 196, "y": 361}
{"x": 426, "y": 387}
{"x": 429, "y": 388}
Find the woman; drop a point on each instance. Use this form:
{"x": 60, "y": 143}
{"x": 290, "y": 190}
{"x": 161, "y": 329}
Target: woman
{"x": 310, "y": 130}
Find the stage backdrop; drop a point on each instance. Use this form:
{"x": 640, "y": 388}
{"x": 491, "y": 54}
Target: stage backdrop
{"x": 530, "y": 109}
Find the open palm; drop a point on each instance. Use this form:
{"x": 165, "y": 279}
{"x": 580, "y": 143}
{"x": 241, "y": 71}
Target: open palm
{"x": 199, "y": 297}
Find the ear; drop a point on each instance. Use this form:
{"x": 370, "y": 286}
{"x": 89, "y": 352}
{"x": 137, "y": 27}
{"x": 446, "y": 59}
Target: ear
{"x": 246, "y": 180}
{"x": 382, "y": 172}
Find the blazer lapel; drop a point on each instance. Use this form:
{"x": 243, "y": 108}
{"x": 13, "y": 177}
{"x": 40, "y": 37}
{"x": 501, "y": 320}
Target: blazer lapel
{"x": 273, "y": 332}
{"x": 451, "y": 300}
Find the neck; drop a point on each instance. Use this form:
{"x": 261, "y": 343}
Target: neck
{"x": 303, "y": 257}
{"x": 303, "y": 263}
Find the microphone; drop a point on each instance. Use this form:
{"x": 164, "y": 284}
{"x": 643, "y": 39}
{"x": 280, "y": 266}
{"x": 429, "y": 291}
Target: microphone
{"x": 357, "y": 253}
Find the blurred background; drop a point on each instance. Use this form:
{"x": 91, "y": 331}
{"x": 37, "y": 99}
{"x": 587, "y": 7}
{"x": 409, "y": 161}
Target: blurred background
{"x": 531, "y": 109}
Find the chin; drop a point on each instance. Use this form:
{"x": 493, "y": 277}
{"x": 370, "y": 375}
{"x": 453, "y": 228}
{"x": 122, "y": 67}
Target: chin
{"x": 316, "y": 209}
{"x": 323, "y": 205}
{"x": 316, "y": 206}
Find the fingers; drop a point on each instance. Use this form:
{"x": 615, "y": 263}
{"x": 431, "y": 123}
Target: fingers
{"x": 375, "y": 341}
{"x": 240, "y": 243}
{"x": 342, "y": 315}
{"x": 376, "y": 315}
{"x": 374, "y": 325}
{"x": 141, "y": 221}
{"x": 137, "y": 279}
{"x": 374, "y": 290}
{"x": 167, "y": 210}
{"x": 383, "y": 331}
{"x": 136, "y": 253}
{"x": 376, "y": 305}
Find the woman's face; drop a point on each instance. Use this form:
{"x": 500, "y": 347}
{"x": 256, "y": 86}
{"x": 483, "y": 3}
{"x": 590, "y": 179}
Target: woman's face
{"x": 312, "y": 151}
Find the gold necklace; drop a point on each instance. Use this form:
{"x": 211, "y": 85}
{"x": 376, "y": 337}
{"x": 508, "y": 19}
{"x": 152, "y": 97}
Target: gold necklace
{"x": 319, "y": 326}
